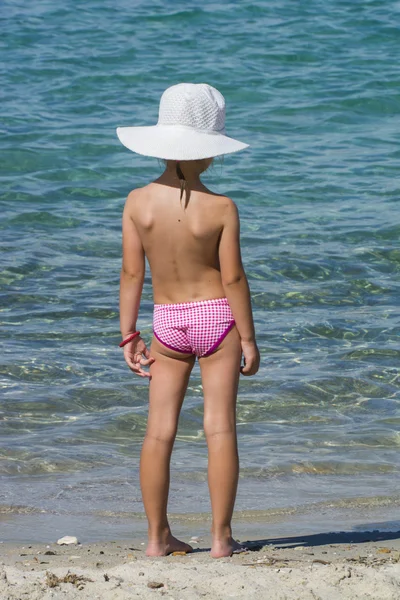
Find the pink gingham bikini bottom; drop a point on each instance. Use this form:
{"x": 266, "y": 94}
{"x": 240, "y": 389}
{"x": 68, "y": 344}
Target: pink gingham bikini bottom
{"x": 193, "y": 327}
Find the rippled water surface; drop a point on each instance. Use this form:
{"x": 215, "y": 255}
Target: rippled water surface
{"x": 315, "y": 89}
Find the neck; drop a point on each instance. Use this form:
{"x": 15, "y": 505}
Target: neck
{"x": 190, "y": 170}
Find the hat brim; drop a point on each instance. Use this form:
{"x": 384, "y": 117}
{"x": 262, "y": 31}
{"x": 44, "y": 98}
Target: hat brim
{"x": 177, "y": 143}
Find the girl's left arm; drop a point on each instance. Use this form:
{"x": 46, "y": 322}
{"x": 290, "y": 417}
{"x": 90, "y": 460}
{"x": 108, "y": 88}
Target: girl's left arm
{"x": 131, "y": 286}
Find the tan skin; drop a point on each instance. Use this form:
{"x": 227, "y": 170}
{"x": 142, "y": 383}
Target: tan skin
{"x": 192, "y": 245}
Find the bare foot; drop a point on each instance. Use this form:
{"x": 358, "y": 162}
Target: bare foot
{"x": 171, "y": 544}
{"x": 227, "y": 547}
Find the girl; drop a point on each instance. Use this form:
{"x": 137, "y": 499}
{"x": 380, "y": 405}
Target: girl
{"x": 190, "y": 237}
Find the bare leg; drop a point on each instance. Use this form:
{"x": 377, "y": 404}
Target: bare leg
{"x": 169, "y": 378}
{"x": 220, "y": 376}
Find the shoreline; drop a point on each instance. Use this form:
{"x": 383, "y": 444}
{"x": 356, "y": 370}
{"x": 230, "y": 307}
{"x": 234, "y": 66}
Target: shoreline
{"x": 333, "y": 566}
{"x": 25, "y": 524}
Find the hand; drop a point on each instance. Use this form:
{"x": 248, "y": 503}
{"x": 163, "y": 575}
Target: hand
{"x": 251, "y": 356}
{"x": 137, "y": 356}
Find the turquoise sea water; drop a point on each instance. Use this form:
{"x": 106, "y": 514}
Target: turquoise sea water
{"x": 315, "y": 89}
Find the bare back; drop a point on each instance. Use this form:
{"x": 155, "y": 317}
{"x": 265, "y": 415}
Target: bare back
{"x": 181, "y": 244}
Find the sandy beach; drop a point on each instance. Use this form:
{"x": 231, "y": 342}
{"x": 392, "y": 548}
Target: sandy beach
{"x": 335, "y": 566}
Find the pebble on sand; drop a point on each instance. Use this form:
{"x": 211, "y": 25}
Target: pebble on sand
{"x": 155, "y": 585}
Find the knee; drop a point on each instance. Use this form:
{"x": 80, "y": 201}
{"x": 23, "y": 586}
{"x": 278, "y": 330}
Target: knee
{"x": 215, "y": 428}
{"x": 162, "y": 433}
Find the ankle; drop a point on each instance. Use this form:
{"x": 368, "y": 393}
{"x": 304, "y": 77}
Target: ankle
{"x": 158, "y": 533}
{"x": 221, "y": 532}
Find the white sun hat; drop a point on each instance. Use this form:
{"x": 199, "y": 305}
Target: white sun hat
{"x": 191, "y": 126}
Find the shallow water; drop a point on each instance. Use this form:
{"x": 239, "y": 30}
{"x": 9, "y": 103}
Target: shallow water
{"x": 315, "y": 90}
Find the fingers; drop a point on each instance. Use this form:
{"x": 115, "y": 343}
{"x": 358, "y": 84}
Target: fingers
{"x": 249, "y": 372}
{"x": 148, "y": 360}
{"x": 246, "y": 371}
{"x": 249, "y": 368}
{"x": 145, "y": 362}
{"x": 136, "y": 361}
{"x": 135, "y": 368}
{"x": 147, "y": 353}
{"x": 251, "y": 359}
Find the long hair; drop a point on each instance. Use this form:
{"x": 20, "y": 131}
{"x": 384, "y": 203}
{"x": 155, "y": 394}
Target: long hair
{"x": 183, "y": 184}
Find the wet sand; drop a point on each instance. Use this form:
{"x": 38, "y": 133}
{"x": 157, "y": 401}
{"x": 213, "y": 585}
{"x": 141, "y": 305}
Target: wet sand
{"x": 326, "y": 566}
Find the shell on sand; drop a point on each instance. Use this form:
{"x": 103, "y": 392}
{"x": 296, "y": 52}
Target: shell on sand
{"x": 67, "y": 540}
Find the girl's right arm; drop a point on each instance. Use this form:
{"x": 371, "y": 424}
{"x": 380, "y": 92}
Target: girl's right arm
{"x": 136, "y": 353}
{"x": 236, "y": 287}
